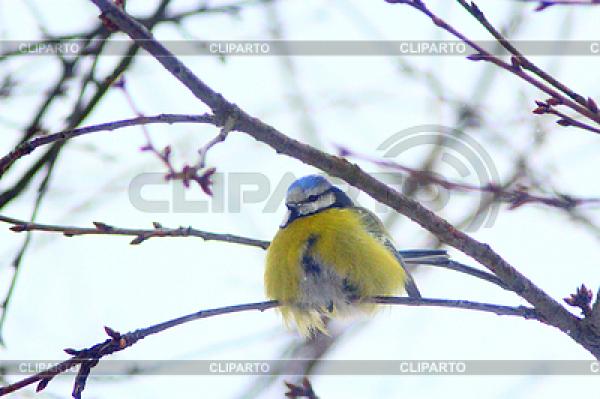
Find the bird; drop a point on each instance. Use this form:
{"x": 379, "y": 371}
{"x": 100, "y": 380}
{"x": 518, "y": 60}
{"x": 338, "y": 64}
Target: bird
{"x": 329, "y": 255}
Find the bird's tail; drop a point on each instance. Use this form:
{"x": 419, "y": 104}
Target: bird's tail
{"x": 416, "y": 257}
{"x": 424, "y": 256}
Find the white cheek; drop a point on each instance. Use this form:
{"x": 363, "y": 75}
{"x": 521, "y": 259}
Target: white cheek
{"x": 312, "y": 207}
{"x": 286, "y": 219}
{"x": 325, "y": 201}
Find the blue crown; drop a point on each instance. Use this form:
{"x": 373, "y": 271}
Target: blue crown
{"x": 306, "y": 182}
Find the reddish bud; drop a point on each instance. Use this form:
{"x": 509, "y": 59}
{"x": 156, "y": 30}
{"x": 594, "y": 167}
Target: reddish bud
{"x": 71, "y": 351}
{"x": 102, "y": 226}
{"x": 167, "y": 152}
{"x": 206, "y": 182}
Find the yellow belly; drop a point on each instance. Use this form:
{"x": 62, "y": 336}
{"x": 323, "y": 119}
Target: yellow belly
{"x": 343, "y": 245}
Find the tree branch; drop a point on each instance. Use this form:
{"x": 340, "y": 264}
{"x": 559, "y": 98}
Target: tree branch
{"x": 28, "y": 146}
{"x": 515, "y": 198}
{"x": 413, "y": 257}
{"x": 140, "y": 235}
{"x": 585, "y": 108}
{"x": 88, "y": 358}
{"x": 523, "y": 61}
{"x": 501, "y": 310}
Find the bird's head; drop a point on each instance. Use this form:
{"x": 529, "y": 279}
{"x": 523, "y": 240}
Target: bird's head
{"x": 311, "y": 194}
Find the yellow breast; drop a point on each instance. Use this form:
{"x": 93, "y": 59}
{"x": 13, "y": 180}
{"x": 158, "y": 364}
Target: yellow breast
{"x": 341, "y": 243}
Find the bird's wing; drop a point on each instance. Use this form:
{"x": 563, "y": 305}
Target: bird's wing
{"x": 376, "y": 228}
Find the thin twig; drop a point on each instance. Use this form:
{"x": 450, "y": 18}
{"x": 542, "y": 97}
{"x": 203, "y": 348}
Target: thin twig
{"x": 79, "y": 112}
{"x": 140, "y": 235}
{"x": 192, "y": 172}
{"x": 219, "y": 138}
{"x": 522, "y": 60}
{"x": 414, "y": 257}
{"x": 543, "y": 4}
{"x": 481, "y": 274}
{"x": 16, "y": 263}
{"x": 28, "y": 146}
{"x": 548, "y": 107}
{"x": 89, "y": 357}
{"x": 165, "y": 155}
{"x": 515, "y": 197}
{"x": 501, "y": 310}
{"x": 513, "y": 67}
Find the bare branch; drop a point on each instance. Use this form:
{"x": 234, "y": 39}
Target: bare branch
{"x": 553, "y": 312}
{"x": 81, "y": 109}
{"x": 28, "y": 146}
{"x": 547, "y": 107}
{"x": 501, "y": 310}
{"x": 518, "y": 63}
{"x": 459, "y": 267}
{"x": 191, "y": 172}
{"x": 516, "y": 197}
{"x": 521, "y": 60}
{"x": 88, "y": 358}
{"x": 219, "y": 138}
{"x": 140, "y": 235}
{"x": 413, "y": 257}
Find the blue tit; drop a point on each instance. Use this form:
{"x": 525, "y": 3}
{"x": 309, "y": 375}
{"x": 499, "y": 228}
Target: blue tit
{"x": 329, "y": 254}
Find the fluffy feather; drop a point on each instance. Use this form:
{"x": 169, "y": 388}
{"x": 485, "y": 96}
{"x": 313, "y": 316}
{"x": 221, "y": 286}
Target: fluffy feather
{"x": 318, "y": 264}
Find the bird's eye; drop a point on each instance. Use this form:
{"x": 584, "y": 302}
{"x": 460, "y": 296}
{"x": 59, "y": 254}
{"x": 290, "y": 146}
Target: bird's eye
{"x": 312, "y": 198}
